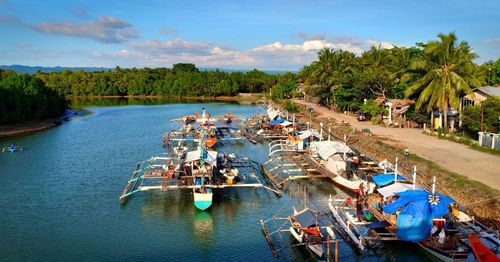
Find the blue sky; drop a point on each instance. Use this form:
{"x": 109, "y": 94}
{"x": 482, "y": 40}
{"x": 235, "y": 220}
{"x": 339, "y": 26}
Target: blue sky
{"x": 272, "y": 35}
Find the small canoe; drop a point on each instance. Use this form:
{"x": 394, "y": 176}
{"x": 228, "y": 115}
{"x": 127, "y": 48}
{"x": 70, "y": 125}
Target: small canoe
{"x": 482, "y": 252}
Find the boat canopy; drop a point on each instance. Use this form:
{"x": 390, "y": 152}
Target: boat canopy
{"x": 326, "y": 149}
{"x": 305, "y": 134}
{"x": 393, "y": 189}
{"x": 382, "y": 180}
{"x": 272, "y": 113}
{"x": 306, "y": 218}
{"x": 417, "y": 210}
{"x": 211, "y": 157}
{"x": 286, "y": 123}
{"x": 277, "y": 121}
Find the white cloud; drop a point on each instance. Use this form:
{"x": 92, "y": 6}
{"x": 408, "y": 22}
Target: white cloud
{"x": 106, "y": 29}
{"x": 493, "y": 42}
{"x": 375, "y": 43}
{"x": 276, "y": 55}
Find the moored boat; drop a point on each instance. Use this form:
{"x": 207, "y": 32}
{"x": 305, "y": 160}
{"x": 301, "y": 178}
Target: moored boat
{"x": 307, "y": 228}
{"x": 481, "y": 251}
{"x": 202, "y": 198}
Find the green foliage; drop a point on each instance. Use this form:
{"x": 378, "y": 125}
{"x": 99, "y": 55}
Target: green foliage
{"x": 291, "y": 107}
{"x": 24, "y": 97}
{"x": 183, "y": 80}
{"x": 471, "y": 120}
{"x": 440, "y": 131}
{"x": 491, "y": 112}
{"x": 184, "y": 68}
{"x": 372, "y": 109}
{"x": 436, "y": 73}
{"x": 375, "y": 120}
{"x": 284, "y": 90}
{"x": 417, "y": 116}
{"x": 448, "y": 73}
{"x": 490, "y": 73}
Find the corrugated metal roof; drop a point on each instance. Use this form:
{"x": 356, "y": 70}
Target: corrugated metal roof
{"x": 489, "y": 90}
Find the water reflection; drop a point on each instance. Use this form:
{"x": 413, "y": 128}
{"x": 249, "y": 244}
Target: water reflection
{"x": 203, "y": 226}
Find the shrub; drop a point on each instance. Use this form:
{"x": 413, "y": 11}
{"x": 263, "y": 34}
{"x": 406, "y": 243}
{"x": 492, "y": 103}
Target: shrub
{"x": 291, "y": 107}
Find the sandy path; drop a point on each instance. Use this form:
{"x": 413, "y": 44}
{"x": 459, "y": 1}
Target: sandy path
{"x": 452, "y": 156}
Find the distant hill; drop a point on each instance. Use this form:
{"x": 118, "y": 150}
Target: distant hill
{"x": 45, "y": 69}
{"x": 48, "y": 69}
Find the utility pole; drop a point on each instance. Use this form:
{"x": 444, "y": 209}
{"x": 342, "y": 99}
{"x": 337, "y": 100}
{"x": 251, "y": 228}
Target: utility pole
{"x": 482, "y": 117}
{"x": 489, "y": 75}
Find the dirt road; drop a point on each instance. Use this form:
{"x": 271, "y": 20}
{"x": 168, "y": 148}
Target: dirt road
{"x": 452, "y": 156}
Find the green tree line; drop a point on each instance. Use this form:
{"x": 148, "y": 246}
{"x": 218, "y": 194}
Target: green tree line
{"x": 181, "y": 80}
{"x": 435, "y": 74}
{"x": 25, "y": 97}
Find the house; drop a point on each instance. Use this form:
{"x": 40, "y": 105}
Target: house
{"x": 396, "y": 109}
{"x": 480, "y": 94}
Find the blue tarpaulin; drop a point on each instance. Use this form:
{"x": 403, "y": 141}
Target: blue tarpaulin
{"x": 414, "y": 222}
{"x": 418, "y": 208}
{"x": 385, "y": 179}
{"x": 277, "y": 121}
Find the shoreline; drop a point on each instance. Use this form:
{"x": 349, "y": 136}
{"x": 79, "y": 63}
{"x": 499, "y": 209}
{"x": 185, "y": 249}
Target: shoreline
{"x": 20, "y": 129}
{"x": 241, "y": 97}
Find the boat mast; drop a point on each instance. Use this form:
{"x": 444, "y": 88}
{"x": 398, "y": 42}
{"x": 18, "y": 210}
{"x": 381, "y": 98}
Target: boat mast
{"x": 414, "y": 176}
{"x": 396, "y": 172}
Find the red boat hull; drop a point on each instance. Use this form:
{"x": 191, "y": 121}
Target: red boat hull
{"x": 482, "y": 252}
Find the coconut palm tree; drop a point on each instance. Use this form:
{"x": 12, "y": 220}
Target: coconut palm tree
{"x": 376, "y": 74}
{"x": 448, "y": 74}
{"x": 330, "y": 68}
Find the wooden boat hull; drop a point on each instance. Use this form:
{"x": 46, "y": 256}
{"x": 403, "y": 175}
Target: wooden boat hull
{"x": 444, "y": 256}
{"x": 347, "y": 229}
{"x": 482, "y": 252}
{"x": 341, "y": 183}
{"x": 317, "y": 249}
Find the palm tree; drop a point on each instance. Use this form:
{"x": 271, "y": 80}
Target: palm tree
{"x": 448, "y": 74}
{"x": 377, "y": 77}
{"x": 329, "y": 70}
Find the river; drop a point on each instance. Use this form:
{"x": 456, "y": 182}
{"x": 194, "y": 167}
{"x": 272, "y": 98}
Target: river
{"x": 59, "y": 197}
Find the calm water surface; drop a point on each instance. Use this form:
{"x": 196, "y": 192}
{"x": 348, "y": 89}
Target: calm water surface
{"x": 59, "y": 197}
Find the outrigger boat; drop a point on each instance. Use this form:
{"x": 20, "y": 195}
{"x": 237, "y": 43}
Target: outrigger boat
{"x": 481, "y": 251}
{"x": 306, "y": 229}
{"x": 12, "y": 148}
{"x": 200, "y": 170}
{"x": 204, "y": 128}
{"x": 345, "y": 215}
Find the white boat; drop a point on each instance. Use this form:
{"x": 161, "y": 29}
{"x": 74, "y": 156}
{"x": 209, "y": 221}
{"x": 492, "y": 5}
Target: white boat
{"x": 347, "y": 221}
{"x": 337, "y": 165}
